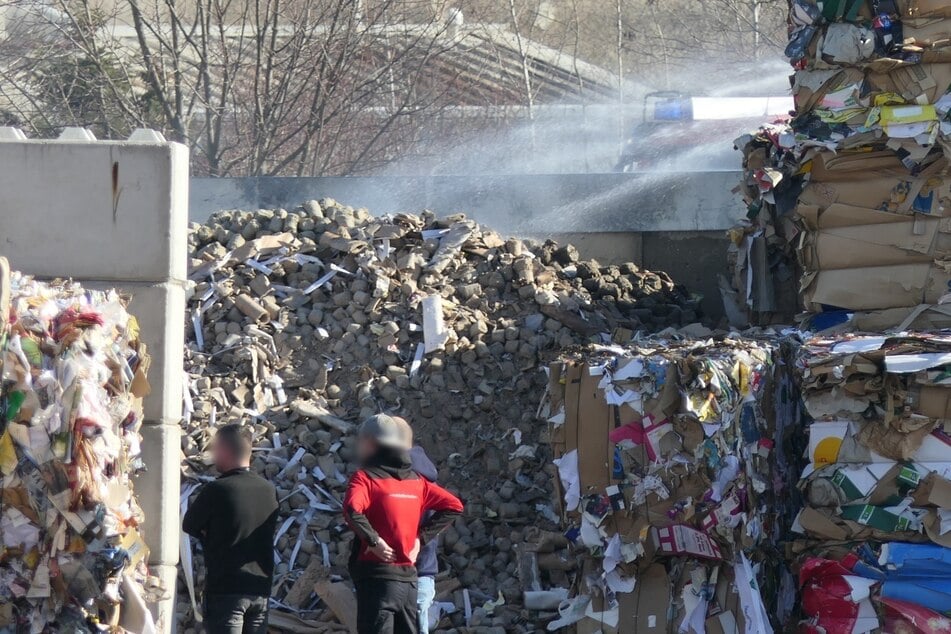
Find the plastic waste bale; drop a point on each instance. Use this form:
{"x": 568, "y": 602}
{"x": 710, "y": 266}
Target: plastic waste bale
{"x": 74, "y": 373}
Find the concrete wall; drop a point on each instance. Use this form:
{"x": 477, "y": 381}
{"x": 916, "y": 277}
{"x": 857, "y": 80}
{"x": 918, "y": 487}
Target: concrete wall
{"x": 114, "y": 214}
{"x": 522, "y": 203}
{"x": 692, "y": 258}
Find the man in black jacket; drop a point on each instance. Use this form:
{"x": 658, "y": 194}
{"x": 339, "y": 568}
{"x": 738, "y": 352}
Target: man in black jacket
{"x": 235, "y": 517}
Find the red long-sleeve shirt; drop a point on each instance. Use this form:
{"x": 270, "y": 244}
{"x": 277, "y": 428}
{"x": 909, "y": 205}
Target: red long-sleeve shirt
{"x": 388, "y": 505}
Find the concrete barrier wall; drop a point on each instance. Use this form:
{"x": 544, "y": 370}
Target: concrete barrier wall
{"x": 524, "y": 203}
{"x": 114, "y": 214}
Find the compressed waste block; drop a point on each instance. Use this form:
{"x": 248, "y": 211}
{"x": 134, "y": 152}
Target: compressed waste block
{"x": 874, "y": 535}
{"x": 302, "y": 322}
{"x": 847, "y": 200}
{"x": 72, "y": 556}
{"x": 672, "y": 462}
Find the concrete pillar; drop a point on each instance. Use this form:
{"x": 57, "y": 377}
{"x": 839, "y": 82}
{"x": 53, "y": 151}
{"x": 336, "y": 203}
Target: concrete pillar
{"x": 115, "y": 214}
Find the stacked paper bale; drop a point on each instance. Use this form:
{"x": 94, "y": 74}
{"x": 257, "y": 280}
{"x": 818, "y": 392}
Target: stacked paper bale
{"x": 304, "y": 322}
{"x": 74, "y": 372}
{"x": 672, "y": 456}
{"x": 847, "y": 203}
{"x": 877, "y": 490}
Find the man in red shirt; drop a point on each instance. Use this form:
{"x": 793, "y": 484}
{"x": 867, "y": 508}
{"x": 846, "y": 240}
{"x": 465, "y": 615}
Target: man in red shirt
{"x": 384, "y": 504}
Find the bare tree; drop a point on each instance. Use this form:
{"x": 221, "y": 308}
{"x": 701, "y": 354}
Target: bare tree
{"x": 309, "y": 87}
{"x": 682, "y": 44}
{"x": 255, "y": 87}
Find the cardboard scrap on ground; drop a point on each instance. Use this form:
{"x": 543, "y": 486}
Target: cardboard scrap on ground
{"x": 284, "y": 622}
{"x": 340, "y": 598}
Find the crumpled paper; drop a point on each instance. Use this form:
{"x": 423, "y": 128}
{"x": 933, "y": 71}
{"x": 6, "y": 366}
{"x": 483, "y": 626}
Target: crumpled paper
{"x": 74, "y": 372}
{"x": 694, "y": 482}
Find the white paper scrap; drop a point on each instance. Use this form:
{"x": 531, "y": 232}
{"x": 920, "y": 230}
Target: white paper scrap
{"x": 196, "y": 325}
{"x": 859, "y": 344}
{"x": 751, "y": 601}
{"x": 417, "y": 359}
{"x": 468, "y": 606}
{"x": 905, "y": 363}
{"x": 434, "y": 329}
{"x": 319, "y": 282}
{"x": 570, "y": 479}
{"x": 293, "y": 461}
{"x": 632, "y": 370}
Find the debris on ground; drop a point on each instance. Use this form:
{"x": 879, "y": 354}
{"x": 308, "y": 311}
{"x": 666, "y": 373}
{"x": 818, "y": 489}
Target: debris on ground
{"x": 672, "y": 456}
{"x": 304, "y": 322}
{"x": 846, "y": 201}
{"x": 74, "y": 374}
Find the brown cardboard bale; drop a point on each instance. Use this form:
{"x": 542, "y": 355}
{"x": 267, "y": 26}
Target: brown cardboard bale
{"x": 875, "y": 287}
{"x": 899, "y": 194}
{"x": 874, "y": 238}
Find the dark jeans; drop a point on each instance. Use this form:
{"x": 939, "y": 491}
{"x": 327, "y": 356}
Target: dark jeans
{"x": 385, "y": 606}
{"x": 235, "y": 614}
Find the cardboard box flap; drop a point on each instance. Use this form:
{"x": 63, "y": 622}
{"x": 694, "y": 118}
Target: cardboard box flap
{"x": 595, "y": 422}
{"x": 927, "y": 32}
{"x": 855, "y": 166}
{"x": 819, "y": 525}
{"x": 926, "y": 8}
{"x": 808, "y": 215}
{"x": 811, "y": 86}
{"x": 933, "y": 491}
{"x": 841, "y": 215}
{"x": 845, "y": 247}
{"x": 653, "y": 600}
{"x": 925, "y": 195}
{"x": 921, "y": 317}
{"x": 933, "y": 401}
{"x": 876, "y": 287}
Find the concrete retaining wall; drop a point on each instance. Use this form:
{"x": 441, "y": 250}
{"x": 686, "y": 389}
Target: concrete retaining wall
{"x": 522, "y": 203}
{"x": 115, "y": 214}
{"x": 692, "y": 258}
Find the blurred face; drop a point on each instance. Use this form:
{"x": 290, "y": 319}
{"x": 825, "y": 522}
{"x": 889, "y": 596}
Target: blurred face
{"x": 222, "y": 455}
{"x": 366, "y": 447}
